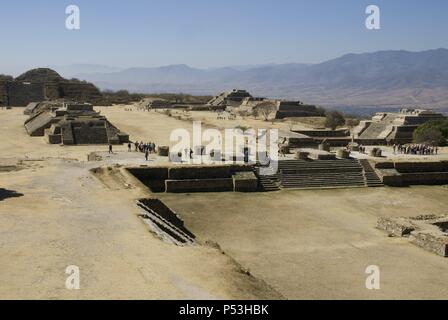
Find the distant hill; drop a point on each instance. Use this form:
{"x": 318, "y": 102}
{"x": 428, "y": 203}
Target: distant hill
{"x": 385, "y": 78}
{"x": 71, "y": 71}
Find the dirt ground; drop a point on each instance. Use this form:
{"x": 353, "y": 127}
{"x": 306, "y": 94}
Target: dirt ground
{"x": 317, "y": 244}
{"x": 296, "y": 244}
{"x": 54, "y": 213}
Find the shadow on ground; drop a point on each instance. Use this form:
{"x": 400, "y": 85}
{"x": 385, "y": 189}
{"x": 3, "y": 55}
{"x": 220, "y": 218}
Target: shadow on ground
{"x": 5, "y": 194}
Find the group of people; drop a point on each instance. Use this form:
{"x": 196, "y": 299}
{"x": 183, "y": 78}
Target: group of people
{"x": 145, "y": 147}
{"x": 362, "y": 149}
{"x": 417, "y": 149}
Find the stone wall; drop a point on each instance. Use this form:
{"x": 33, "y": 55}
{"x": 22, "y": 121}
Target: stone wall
{"x": 245, "y": 181}
{"x": 430, "y": 166}
{"x": 199, "y": 185}
{"x": 197, "y": 178}
{"x": 399, "y": 174}
{"x": 89, "y": 132}
{"x": 206, "y": 172}
{"x": 20, "y": 94}
{"x": 325, "y": 133}
{"x": 154, "y": 178}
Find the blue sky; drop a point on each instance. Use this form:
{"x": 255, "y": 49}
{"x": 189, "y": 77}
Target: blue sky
{"x": 211, "y": 33}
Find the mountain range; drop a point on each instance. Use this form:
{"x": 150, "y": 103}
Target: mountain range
{"x": 383, "y": 78}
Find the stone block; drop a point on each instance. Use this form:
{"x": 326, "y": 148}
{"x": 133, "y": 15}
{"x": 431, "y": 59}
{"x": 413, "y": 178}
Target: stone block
{"x": 245, "y": 181}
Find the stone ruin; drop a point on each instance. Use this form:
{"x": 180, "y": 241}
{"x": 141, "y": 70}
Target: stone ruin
{"x": 290, "y": 109}
{"x": 426, "y": 231}
{"x": 393, "y": 127}
{"x": 317, "y": 169}
{"x": 166, "y": 223}
{"x": 185, "y": 179}
{"x": 335, "y": 138}
{"x": 406, "y": 173}
{"x": 37, "y": 107}
{"x": 152, "y": 104}
{"x": 231, "y": 98}
{"x": 45, "y": 84}
{"x": 241, "y": 100}
{"x": 72, "y": 124}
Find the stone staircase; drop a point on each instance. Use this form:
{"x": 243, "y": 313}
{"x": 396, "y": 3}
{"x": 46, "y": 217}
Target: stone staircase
{"x": 320, "y": 174}
{"x": 269, "y": 183}
{"x": 371, "y": 178}
{"x": 379, "y": 130}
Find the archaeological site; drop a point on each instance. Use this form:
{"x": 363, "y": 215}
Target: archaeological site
{"x": 223, "y": 153}
{"x": 254, "y": 207}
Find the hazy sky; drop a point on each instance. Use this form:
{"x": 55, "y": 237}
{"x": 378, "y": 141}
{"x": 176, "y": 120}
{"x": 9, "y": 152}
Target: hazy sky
{"x": 210, "y": 33}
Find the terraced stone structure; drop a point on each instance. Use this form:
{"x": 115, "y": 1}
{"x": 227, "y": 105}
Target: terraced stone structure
{"x": 320, "y": 174}
{"x": 38, "y": 107}
{"x": 393, "y": 127}
{"x": 151, "y": 104}
{"x": 45, "y": 84}
{"x": 232, "y": 98}
{"x": 290, "y": 109}
{"x": 74, "y": 124}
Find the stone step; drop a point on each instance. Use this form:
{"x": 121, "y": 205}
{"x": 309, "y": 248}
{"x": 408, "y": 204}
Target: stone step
{"x": 284, "y": 183}
{"x": 308, "y": 186}
{"x": 322, "y": 174}
{"x": 322, "y": 182}
{"x": 324, "y": 179}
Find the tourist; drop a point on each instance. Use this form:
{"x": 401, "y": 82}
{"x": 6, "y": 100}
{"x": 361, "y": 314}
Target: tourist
{"x": 129, "y": 147}
{"x": 146, "y": 154}
{"x": 136, "y": 146}
{"x": 110, "y": 148}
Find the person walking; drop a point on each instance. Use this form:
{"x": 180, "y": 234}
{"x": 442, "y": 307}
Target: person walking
{"x": 146, "y": 154}
{"x": 110, "y": 148}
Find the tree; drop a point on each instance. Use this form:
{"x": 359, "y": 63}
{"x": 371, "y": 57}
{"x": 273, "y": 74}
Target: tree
{"x": 334, "y": 119}
{"x": 265, "y": 109}
{"x": 433, "y": 133}
{"x": 352, "y": 122}
{"x": 122, "y": 93}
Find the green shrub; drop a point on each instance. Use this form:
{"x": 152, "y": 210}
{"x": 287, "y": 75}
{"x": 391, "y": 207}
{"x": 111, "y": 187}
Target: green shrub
{"x": 334, "y": 119}
{"x": 432, "y": 132}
